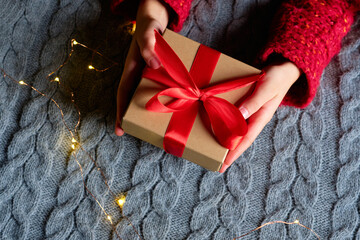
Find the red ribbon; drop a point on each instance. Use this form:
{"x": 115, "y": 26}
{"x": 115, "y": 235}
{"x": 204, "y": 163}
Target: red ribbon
{"x": 190, "y": 96}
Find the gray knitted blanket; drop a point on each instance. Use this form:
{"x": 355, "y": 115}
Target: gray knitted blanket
{"x": 304, "y": 165}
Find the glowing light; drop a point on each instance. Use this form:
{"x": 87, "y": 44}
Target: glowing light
{"x": 91, "y": 67}
{"x": 73, "y": 146}
{"x": 74, "y": 42}
{"x": 57, "y": 79}
{"x": 73, "y": 140}
{"x": 22, "y": 82}
{"x": 132, "y": 31}
{"x": 296, "y": 221}
{"x": 121, "y": 200}
{"x": 109, "y": 218}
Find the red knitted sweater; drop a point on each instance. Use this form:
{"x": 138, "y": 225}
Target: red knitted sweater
{"x": 307, "y": 32}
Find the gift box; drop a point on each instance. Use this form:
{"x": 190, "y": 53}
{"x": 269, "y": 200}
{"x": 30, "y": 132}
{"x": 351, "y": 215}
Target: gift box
{"x": 156, "y": 103}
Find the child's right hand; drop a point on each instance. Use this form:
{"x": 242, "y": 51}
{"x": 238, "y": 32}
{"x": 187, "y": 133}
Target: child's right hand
{"x": 152, "y": 14}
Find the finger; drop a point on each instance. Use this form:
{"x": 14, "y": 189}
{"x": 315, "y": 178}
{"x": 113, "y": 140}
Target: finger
{"x": 129, "y": 79}
{"x": 255, "y": 125}
{"x": 263, "y": 92}
{"x": 146, "y": 41}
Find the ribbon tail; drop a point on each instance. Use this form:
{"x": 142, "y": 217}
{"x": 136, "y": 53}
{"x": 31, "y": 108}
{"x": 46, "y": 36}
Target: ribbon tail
{"x": 205, "y": 119}
{"x": 160, "y": 76}
{"x": 172, "y": 63}
{"x": 232, "y": 84}
{"x": 179, "y": 129}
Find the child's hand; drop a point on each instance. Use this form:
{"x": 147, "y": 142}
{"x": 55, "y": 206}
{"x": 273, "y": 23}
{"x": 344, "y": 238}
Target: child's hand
{"x": 152, "y": 14}
{"x": 259, "y": 108}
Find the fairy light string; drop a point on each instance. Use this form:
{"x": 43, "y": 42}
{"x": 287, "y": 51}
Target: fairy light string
{"x": 93, "y": 196}
{"x": 76, "y": 145}
{"x": 74, "y": 141}
{"x": 296, "y": 222}
{"x": 73, "y": 132}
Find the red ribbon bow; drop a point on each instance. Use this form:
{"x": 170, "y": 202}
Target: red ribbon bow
{"x": 190, "y": 94}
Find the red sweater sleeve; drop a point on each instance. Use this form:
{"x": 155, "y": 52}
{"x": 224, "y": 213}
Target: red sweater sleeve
{"x": 181, "y": 9}
{"x": 309, "y": 34}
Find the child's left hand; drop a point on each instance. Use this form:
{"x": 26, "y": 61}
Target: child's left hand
{"x": 259, "y": 108}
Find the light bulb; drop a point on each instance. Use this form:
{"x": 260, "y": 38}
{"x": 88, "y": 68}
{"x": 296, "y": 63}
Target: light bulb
{"x": 121, "y": 200}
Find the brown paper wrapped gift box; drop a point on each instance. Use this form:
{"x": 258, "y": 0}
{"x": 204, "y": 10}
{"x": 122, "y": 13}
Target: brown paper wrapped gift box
{"x": 201, "y": 147}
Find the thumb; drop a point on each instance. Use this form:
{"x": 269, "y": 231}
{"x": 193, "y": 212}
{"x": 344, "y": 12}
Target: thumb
{"x": 146, "y": 42}
{"x": 262, "y": 94}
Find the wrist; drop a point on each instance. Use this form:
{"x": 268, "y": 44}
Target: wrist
{"x": 284, "y": 67}
{"x": 290, "y": 69}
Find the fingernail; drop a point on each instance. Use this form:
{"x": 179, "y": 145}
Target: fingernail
{"x": 223, "y": 168}
{"x": 244, "y": 112}
{"x": 118, "y": 130}
{"x": 154, "y": 63}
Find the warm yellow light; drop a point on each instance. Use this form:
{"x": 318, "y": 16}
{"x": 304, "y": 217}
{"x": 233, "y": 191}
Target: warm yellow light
{"x": 121, "y": 200}
{"x": 91, "y": 67}
{"x": 73, "y": 146}
{"x": 133, "y": 28}
{"x": 57, "y": 79}
{"x": 75, "y": 42}
{"x": 73, "y": 140}
{"x": 22, "y": 82}
{"x": 296, "y": 221}
{"x": 109, "y": 217}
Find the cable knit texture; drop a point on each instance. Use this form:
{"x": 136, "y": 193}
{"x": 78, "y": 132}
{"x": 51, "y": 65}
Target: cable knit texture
{"x": 304, "y": 165}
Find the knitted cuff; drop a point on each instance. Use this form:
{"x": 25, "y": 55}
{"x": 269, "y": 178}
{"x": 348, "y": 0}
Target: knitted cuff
{"x": 309, "y": 34}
